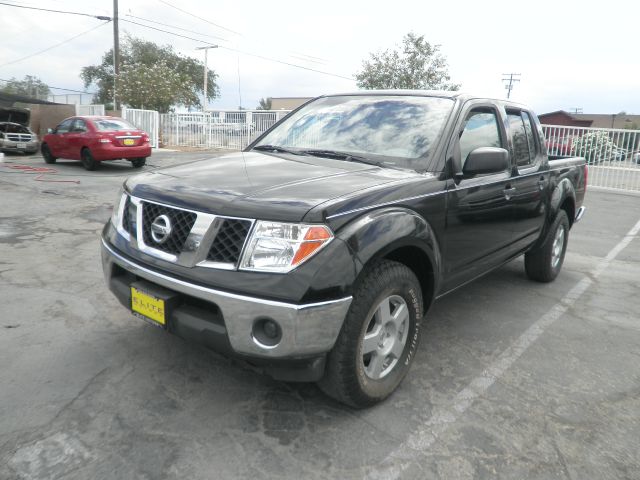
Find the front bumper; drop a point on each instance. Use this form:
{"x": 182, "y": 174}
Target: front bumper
{"x": 11, "y": 146}
{"x": 307, "y": 330}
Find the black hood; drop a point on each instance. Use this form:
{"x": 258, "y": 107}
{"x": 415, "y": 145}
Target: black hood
{"x": 259, "y": 185}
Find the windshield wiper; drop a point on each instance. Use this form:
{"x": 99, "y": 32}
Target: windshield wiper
{"x": 349, "y": 157}
{"x": 276, "y": 148}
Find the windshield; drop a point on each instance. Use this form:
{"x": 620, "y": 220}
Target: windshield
{"x": 113, "y": 125}
{"x": 392, "y": 130}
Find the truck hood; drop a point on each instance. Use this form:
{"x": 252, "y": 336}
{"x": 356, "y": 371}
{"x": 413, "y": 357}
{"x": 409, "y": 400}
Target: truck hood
{"x": 279, "y": 187}
{"x": 20, "y": 116}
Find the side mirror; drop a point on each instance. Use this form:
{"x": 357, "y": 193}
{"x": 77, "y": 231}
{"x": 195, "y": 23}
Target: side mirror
{"x": 486, "y": 160}
{"x": 49, "y": 130}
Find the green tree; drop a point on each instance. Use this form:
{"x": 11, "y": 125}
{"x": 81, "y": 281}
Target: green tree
{"x": 595, "y": 146}
{"x": 416, "y": 65}
{"x": 29, "y": 86}
{"x": 264, "y": 104}
{"x": 153, "y": 76}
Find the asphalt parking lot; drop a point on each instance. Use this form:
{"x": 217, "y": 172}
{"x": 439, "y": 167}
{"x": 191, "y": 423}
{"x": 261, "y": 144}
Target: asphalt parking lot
{"x": 513, "y": 379}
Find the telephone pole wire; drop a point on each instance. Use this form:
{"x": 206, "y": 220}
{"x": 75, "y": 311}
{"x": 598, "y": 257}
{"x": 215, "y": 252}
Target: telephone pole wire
{"x": 510, "y": 79}
{"x": 116, "y": 52}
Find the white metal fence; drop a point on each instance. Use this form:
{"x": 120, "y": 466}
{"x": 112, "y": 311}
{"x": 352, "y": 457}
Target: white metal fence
{"x": 232, "y": 129}
{"x": 147, "y": 120}
{"x": 89, "y": 109}
{"x": 613, "y": 155}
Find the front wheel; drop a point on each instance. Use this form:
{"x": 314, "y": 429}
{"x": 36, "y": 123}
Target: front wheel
{"x": 46, "y": 154}
{"x": 138, "y": 162}
{"x": 379, "y": 337}
{"x": 87, "y": 159}
{"x": 543, "y": 264}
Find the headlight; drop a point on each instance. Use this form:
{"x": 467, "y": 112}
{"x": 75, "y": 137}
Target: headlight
{"x": 281, "y": 247}
{"x": 116, "y": 216}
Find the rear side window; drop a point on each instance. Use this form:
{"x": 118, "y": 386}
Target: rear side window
{"x": 531, "y": 139}
{"x": 519, "y": 137}
{"x": 480, "y": 130}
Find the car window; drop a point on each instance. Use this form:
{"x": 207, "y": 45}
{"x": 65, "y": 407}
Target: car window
{"x": 480, "y": 130}
{"x": 112, "y": 125}
{"x": 533, "y": 151}
{"x": 79, "y": 125}
{"x": 519, "y": 137}
{"x": 64, "y": 126}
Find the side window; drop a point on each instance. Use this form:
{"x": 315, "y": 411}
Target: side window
{"x": 79, "y": 126}
{"x": 480, "y": 130}
{"x": 520, "y": 141}
{"x": 64, "y": 126}
{"x": 528, "y": 127}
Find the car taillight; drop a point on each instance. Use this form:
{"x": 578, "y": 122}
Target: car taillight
{"x": 145, "y": 139}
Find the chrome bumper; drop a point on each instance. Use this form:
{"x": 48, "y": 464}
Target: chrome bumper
{"x": 306, "y": 329}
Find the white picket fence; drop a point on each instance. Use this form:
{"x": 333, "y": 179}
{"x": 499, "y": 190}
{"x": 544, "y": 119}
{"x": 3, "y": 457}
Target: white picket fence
{"x": 231, "y": 129}
{"x": 147, "y": 120}
{"x": 613, "y": 155}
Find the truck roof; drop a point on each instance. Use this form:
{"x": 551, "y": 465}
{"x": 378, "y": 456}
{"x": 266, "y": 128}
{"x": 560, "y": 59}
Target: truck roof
{"x": 454, "y": 95}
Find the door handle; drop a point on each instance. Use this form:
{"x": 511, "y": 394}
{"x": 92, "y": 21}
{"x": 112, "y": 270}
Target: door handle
{"x": 508, "y": 192}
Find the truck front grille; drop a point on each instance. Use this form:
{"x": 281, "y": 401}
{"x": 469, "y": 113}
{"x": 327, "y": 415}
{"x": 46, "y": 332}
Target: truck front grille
{"x": 181, "y": 224}
{"x": 228, "y": 243}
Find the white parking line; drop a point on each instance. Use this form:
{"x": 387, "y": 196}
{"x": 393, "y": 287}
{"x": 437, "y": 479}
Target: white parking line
{"x": 443, "y": 417}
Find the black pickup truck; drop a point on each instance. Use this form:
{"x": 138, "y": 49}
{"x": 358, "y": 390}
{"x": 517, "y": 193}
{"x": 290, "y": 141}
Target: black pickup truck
{"x": 316, "y": 252}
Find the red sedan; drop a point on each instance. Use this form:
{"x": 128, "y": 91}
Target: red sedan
{"x": 94, "y": 139}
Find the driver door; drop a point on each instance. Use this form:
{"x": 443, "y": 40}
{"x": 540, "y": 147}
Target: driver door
{"x": 57, "y": 142}
{"x": 479, "y": 227}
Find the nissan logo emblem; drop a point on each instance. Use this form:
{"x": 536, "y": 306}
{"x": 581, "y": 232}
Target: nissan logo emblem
{"x": 161, "y": 229}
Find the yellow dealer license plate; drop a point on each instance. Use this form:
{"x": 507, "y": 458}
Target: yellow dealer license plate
{"x": 148, "y": 307}
{"x": 129, "y": 141}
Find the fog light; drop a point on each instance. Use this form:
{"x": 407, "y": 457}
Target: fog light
{"x": 266, "y": 333}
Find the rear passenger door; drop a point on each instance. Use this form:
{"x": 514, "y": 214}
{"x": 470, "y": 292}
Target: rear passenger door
{"x": 76, "y": 138}
{"x": 479, "y": 212}
{"x": 531, "y": 177}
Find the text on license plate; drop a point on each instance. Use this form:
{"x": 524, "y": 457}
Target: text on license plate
{"x": 21, "y": 145}
{"x": 148, "y": 306}
{"x": 129, "y": 141}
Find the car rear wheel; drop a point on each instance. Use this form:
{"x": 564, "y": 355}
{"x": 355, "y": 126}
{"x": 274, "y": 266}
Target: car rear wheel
{"x": 46, "y": 154}
{"x": 544, "y": 263}
{"x": 138, "y": 162}
{"x": 87, "y": 159}
{"x": 379, "y": 337}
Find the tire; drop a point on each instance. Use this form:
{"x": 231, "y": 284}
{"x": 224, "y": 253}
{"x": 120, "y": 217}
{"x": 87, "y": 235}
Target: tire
{"x": 544, "y": 263}
{"x": 138, "y": 162}
{"x": 46, "y": 154}
{"x": 359, "y": 378}
{"x": 88, "y": 162}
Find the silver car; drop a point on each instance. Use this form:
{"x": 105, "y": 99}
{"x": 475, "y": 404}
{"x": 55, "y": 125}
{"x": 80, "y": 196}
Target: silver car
{"x": 17, "y": 138}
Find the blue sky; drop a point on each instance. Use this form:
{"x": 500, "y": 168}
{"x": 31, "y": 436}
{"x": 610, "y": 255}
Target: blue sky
{"x": 570, "y": 54}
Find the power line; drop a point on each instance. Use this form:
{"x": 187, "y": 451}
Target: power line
{"x": 99, "y": 17}
{"x": 199, "y": 18}
{"x": 54, "y": 46}
{"x": 177, "y": 28}
{"x": 241, "y": 51}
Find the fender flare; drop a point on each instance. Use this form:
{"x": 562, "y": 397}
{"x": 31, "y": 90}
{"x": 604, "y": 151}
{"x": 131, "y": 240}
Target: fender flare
{"x": 380, "y": 232}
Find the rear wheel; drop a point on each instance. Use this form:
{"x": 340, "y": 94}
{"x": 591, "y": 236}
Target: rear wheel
{"x": 545, "y": 262}
{"x": 46, "y": 154}
{"x": 138, "y": 162}
{"x": 379, "y": 337}
{"x": 87, "y": 159}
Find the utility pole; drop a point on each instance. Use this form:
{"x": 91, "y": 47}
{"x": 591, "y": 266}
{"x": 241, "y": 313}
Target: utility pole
{"x": 206, "y": 72}
{"x": 116, "y": 52}
{"x": 509, "y": 79}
